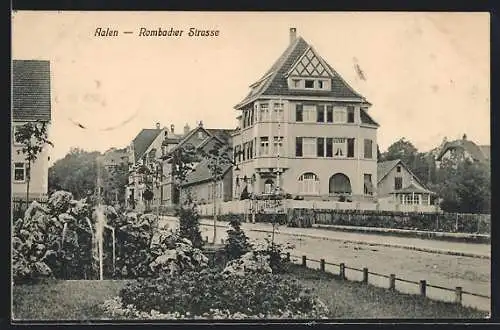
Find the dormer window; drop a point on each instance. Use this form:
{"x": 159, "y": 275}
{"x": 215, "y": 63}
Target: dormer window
{"x": 309, "y": 83}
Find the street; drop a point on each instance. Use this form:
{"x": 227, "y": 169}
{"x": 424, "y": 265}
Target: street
{"x": 472, "y": 274}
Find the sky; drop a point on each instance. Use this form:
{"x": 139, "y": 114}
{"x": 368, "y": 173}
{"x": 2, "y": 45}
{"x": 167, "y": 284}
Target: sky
{"x": 427, "y": 74}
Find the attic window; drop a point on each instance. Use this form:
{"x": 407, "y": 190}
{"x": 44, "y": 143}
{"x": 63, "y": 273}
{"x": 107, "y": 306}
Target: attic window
{"x": 398, "y": 169}
{"x": 309, "y": 83}
{"x": 200, "y": 135}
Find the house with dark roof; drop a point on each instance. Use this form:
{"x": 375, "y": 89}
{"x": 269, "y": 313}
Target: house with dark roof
{"x": 31, "y": 102}
{"x": 305, "y": 130}
{"x": 197, "y": 182}
{"x": 144, "y": 151}
{"x": 459, "y": 150}
{"x": 396, "y": 184}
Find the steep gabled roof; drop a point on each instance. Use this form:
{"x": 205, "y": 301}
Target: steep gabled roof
{"x": 384, "y": 168}
{"x": 143, "y": 140}
{"x": 478, "y": 153}
{"x": 31, "y": 90}
{"x": 274, "y": 81}
{"x": 201, "y": 173}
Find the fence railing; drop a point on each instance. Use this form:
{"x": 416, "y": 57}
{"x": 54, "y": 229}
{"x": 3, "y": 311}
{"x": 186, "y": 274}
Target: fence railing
{"x": 422, "y": 284}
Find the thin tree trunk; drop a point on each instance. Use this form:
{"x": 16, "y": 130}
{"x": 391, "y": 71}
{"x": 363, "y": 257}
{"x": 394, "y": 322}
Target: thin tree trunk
{"x": 28, "y": 179}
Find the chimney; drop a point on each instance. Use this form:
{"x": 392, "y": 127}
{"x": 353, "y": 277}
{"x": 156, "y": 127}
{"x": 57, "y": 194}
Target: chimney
{"x": 293, "y": 35}
{"x": 172, "y": 128}
{"x": 158, "y": 126}
{"x": 464, "y": 137}
{"x": 186, "y": 129}
{"x": 200, "y": 123}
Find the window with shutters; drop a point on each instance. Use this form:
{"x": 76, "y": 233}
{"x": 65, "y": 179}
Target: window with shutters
{"x": 299, "y": 113}
{"x": 309, "y": 113}
{"x": 309, "y": 147}
{"x": 329, "y": 147}
{"x": 329, "y": 114}
{"x": 350, "y": 114}
{"x": 309, "y": 184}
{"x": 340, "y": 147}
{"x": 320, "y": 148}
{"x": 320, "y": 118}
{"x": 339, "y": 115}
{"x": 350, "y": 148}
{"x": 298, "y": 147}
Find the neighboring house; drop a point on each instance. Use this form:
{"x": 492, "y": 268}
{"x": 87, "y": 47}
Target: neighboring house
{"x": 200, "y": 185}
{"x": 396, "y": 183}
{"x": 31, "y": 101}
{"x": 303, "y": 110}
{"x": 464, "y": 149}
{"x": 145, "y": 150}
{"x": 201, "y": 139}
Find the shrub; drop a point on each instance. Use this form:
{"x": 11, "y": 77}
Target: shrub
{"x": 275, "y": 252}
{"x": 237, "y": 242}
{"x": 210, "y": 294}
{"x": 189, "y": 226}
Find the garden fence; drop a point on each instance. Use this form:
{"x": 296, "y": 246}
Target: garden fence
{"x": 422, "y": 284}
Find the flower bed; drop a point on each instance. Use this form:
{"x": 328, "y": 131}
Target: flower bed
{"x": 209, "y": 294}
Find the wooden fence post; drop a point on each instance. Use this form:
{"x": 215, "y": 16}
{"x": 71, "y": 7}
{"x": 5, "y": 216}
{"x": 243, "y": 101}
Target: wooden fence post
{"x": 288, "y": 256}
{"x": 304, "y": 261}
{"x": 342, "y": 271}
{"x": 423, "y": 287}
{"x": 322, "y": 265}
{"x": 458, "y": 295}
{"x": 365, "y": 275}
{"x": 392, "y": 282}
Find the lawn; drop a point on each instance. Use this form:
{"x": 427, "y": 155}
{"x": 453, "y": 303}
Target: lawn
{"x": 80, "y": 300}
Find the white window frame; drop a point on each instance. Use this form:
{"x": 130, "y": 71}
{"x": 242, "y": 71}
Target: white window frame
{"x": 264, "y": 112}
{"x": 309, "y": 113}
{"x": 339, "y": 115}
{"x": 309, "y": 184}
{"x": 15, "y": 127}
{"x": 264, "y": 146}
{"x": 268, "y": 188}
{"x": 24, "y": 169}
{"x": 309, "y": 147}
{"x": 339, "y": 143}
{"x": 278, "y": 111}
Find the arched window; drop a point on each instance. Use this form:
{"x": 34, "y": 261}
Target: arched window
{"x": 339, "y": 184}
{"x": 268, "y": 186}
{"x": 309, "y": 184}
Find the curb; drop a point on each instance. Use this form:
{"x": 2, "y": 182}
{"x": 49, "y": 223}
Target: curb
{"x": 406, "y": 247}
{"x": 438, "y": 236}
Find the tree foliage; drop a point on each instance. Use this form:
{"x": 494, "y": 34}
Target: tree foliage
{"x": 33, "y": 137}
{"x": 76, "y": 173}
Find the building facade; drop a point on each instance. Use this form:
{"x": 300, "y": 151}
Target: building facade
{"x": 31, "y": 102}
{"x": 398, "y": 185}
{"x": 304, "y": 130}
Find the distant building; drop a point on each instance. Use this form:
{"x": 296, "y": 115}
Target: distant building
{"x": 464, "y": 149}
{"x": 397, "y": 184}
{"x": 144, "y": 151}
{"x": 31, "y": 101}
{"x": 197, "y": 182}
{"x": 303, "y": 110}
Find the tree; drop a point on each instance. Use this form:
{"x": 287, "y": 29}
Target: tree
{"x": 420, "y": 163}
{"x": 464, "y": 187}
{"x": 32, "y": 136}
{"x": 115, "y": 179}
{"x": 76, "y": 173}
{"x": 218, "y": 160}
{"x": 182, "y": 160}
{"x": 189, "y": 226}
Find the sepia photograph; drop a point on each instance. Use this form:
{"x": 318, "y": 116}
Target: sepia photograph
{"x": 276, "y": 166}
